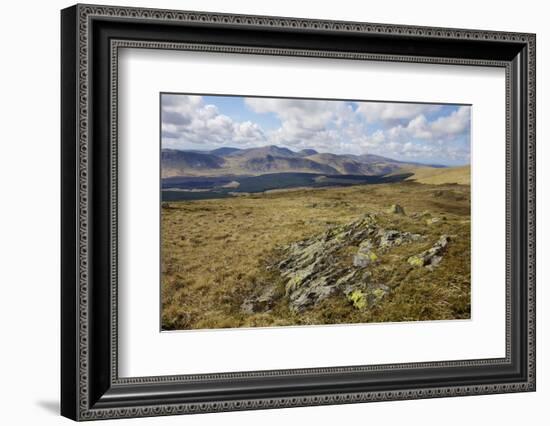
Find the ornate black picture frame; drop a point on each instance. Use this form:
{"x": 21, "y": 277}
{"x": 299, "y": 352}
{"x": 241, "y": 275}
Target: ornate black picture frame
{"x": 91, "y": 36}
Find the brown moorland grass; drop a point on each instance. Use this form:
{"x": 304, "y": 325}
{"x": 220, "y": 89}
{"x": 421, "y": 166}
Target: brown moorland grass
{"x": 435, "y": 176}
{"x": 215, "y": 253}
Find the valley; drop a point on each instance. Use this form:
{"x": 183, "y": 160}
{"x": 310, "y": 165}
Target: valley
{"x": 227, "y": 172}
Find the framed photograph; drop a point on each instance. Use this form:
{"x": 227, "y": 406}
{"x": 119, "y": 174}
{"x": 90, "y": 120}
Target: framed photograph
{"x": 263, "y": 212}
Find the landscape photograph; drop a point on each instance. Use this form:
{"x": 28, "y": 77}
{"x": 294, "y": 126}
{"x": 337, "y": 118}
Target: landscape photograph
{"x": 302, "y": 212}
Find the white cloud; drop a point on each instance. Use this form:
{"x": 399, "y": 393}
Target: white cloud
{"x": 444, "y": 127}
{"x": 188, "y": 120}
{"x": 297, "y": 113}
{"x": 404, "y": 130}
{"x": 456, "y": 123}
{"x": 392, "y": 111}
{"x": 326, "y": 125}
{"x": 443, "y": 138}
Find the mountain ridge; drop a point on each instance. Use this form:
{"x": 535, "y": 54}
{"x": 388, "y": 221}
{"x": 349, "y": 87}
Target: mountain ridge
{"x": 274, "y": 159}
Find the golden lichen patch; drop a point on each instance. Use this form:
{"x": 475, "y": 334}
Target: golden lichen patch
{"x": 358, "y": 299}
{"x": 416, "y": 261}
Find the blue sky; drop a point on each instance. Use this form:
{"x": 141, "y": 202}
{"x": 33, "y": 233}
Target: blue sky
{"x": 426, "y": 133}
{"x": 236, "y": 109}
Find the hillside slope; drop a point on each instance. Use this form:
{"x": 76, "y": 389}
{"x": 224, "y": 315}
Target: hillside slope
{"x": 177, "y": 163}
{"x": 438, "y": 176}
{"x": 274, "y": 159}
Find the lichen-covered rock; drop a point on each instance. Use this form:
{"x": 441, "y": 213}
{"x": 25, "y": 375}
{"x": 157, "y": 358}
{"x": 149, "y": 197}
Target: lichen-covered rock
{"x": 309, "y": 267}
{"x": 364, "y": 259}
{"x": 349, "y": 279}
{"x": 316, "y": 290}
{"x": 368, "y": 296}
{"x": 432, "y": 257}
{"x": 396, "y": 209}
{"x": 338, "y": 261}
{"x": 416, "y": 260}
{"x": 392, "y": 237}
{"x": 365, "y": 255}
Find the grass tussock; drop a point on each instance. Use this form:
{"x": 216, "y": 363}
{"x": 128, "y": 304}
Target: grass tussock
{"x": 215, "y": 253}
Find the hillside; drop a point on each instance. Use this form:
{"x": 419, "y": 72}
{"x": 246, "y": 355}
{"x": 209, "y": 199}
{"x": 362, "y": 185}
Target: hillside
{"x": 176, "y": 163}
{"x": 273, "y": 159}
{"x": 335, "y": 255}
{"x": 438, "y": 176}
{"x": 367, "y": 164}
{"x": 264, "y": 151}
{"x": 342, "y": 164}
{"x": 222, "y": 152}
{"x": 270, "y": 164}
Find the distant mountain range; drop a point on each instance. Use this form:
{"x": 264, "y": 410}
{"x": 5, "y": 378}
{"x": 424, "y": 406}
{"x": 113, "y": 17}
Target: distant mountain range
{"x": 274, "y": 159}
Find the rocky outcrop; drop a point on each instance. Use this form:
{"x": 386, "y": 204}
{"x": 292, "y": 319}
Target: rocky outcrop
{"x": 365, "y": 255}
{"x": 432, "y": 257}
{"x": 340, "y": 262}
{"x": 310, "y": 269}
{"x": 392, "y": 237}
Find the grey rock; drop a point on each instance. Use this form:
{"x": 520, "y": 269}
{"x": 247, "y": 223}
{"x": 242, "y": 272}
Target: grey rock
{"x": 392, "y": 237}
{"x": 366, "y": 296}
{"x": 309, "y": 266}
{"x": 389, "y": 238}
{"x": 361, "y": 260}
{"x": 365, "y": 255}
{"x": 317, "y": 290}
{"x": 313, "y": 270}
{"x": 348, "y": 279}
{"x": 432, "y": 257}
{"x": 396, "y": 209}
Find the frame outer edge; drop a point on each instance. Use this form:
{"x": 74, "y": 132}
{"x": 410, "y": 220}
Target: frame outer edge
{"x": 531, "y": 200}
{"x": 83, "y": 176}
{"x": 69, "y": 192}
{"x": 81, "y": 365}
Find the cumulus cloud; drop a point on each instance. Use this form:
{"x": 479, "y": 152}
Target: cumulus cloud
{"x": 297, "y": 113}
{"x": 455, "y": 124}
{"x": 419, "y": 132}
{"x": 188, "y": 120}
{"x": 326, "y": 125}
{"x": 444, "y": 127}
{"x": 446, "y": 137}
{"x": 392, "y": 111}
